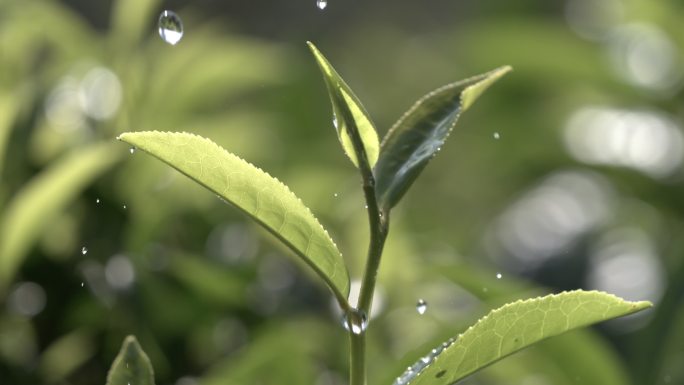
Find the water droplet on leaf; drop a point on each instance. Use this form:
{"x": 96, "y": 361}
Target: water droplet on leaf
{"x": 421, "y": 306}
{"x": 355, "y": 321}
{"x": 170, "y": 27}
{"x": 321, "y": 4}
{"x": 84, "y": 250}
{"x": 132, "y": 150}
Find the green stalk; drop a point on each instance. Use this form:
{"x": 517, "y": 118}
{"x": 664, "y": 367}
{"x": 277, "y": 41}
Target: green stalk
{"x": 379, "y": 226}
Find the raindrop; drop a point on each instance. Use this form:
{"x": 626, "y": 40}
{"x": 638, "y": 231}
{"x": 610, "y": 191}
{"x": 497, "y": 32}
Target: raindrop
{"x": 421, "y": 306}
{"x": 124, "y": 207}
{"x": 170, "y": 27}
{"x": 335, "y": 195}
{"x": 97, "y": 200}
{"x": 132, "y": 150}
{"x": 321, "y": 4}
{"x": 84, "y": 250}
{"x": 82, "y": 284}
{"x": 355, "y": 321}
{"x": 498, "y": 275}
{"x": 497, "y": 135}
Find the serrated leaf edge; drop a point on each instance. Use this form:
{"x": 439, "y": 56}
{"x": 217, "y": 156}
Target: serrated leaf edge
{"x": 636, "y": 306}
{"x": 316, "y": 221}
{"x": 475, "y": 80}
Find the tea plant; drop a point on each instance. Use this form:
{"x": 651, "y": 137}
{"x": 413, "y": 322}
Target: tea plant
{"x": 387, "y": 171}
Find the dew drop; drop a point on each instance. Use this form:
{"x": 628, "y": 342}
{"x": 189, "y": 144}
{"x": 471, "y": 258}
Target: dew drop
{"x": 170, "y": 27}
{"x": 421, "y": 306}
{"x": 84, "y": 250}
{"x": 498, "y": 275}
{"x": 355, "y": 321}
{"x": 132, "y": 150}
{"x": 321, "y": 4}
{"x": 497, "y": 135}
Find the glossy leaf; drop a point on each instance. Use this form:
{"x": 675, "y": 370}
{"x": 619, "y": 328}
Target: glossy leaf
{"x": 131, "y": 366}
{"x": 354, "y": 127}
{"x": 43, "y": 198}
{"x": 256, "y": 193}
{"x": 517, "y": 325}
{"x": 421, "y": 132}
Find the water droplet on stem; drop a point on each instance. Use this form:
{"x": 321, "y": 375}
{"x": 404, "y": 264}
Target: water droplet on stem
{"x": 355, "y": 321}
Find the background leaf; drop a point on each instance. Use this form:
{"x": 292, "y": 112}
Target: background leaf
{"x": 44, "y": 197}
{"x": 349, "y": 116}
{"x": 254, "y": 192}
{"x": 131, "y": 366}
{"x": 518, "y": 325}
{"x": 421, "y": 132}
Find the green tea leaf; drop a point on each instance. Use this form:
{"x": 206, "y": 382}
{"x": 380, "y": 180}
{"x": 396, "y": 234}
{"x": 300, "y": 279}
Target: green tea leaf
{"x": 517, "y": 325}
{"x": 354, "y": 127}
{"x": 256, "y": 193}
{"x": 44, "y": 197}
{"x": 131, "y": 366}
{"x": 421, "y": 132}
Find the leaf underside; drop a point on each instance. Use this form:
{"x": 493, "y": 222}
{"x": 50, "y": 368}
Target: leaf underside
{"x": 349, "y": 116}
{"x": 254, "y": 192}
{"x": 421, "y": 132}
{"x": 517, "y": 325}
{"x": 131, "y": 366}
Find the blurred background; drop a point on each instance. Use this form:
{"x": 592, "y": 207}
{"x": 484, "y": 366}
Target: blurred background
{"x": 567, "y": 174}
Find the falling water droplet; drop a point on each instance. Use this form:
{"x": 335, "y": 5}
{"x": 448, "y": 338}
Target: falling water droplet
{"x": 355, "y": 321}
{"x": 321, "y": 4}
{"x": 124, "y": 207}
{"x": 82, "y": 284}
{"x": 498, "y": 275}
{"x": 335, "y": 120}
{"x": 84, "y": 250}
{"x": 497, "y": 135}
{"x": 97, "y": 200}
{"x": 421, "y": 306}
{"x": 366, "y": 206}
{"x": 132, "y": 150}
{"x": 335, "y": 195}
{"x": 170, "y": 27}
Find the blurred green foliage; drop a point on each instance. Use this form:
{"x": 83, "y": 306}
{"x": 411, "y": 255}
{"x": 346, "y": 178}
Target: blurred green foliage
{"x": 580, "y": 187}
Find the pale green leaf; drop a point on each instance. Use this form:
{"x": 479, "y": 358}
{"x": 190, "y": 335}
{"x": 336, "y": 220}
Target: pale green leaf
{"x": 421, "y": 132}
{"x": 354, "y": 127}
{"x": 256, "y": 193}
{"x": 44, "y": 197}
{"x": 131, "y": 366}
{"x": 517, "y": 325}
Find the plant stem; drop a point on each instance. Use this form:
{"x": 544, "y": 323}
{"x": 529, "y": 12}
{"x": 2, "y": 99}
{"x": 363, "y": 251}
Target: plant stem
{"x": 379, "y": 226}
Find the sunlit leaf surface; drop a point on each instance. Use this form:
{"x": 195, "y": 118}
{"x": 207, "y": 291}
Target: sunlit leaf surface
{"x": 517, "y": 325}
{"x": 349, "y": 117}
{"x": 254, "y": 192}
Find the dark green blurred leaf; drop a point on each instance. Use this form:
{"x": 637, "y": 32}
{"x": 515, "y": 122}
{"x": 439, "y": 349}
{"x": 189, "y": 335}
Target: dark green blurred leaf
{"x": 257, "y": 194}
{"x": 65, "y": 355}
{"x": 518, "y": 325}
{"x": 421, "y": 132}
{"x": 131, "y": 366}
{"x": 44, "y": 197}
{"x": 354, "y": 127}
